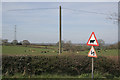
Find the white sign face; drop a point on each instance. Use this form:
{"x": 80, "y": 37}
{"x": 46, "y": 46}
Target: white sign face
{"x": 92, "y": 52}
{"x": 92, "y": 40}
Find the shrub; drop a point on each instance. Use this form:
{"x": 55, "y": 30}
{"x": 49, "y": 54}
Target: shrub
{"x": 69, "y": 64}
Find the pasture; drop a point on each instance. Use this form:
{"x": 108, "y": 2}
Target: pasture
{"x": 29, "y": 50}
{"x": 43, "y": 62}
{"x": 49, "y": 50}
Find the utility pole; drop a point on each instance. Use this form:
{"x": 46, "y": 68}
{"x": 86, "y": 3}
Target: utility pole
{"x": 60, "y": 50}
{"x": 15, "y": 32}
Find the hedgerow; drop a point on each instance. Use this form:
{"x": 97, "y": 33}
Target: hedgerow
{"x": 67, "y": 64}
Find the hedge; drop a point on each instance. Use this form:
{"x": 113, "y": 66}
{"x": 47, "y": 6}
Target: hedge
{"x": 69, "y": 64}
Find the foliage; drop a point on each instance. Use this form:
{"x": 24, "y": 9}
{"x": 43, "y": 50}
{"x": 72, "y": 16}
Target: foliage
{"x": 62, "y": 42}
{"x": 14, "y": 42}
{"x": 69, "y": 65}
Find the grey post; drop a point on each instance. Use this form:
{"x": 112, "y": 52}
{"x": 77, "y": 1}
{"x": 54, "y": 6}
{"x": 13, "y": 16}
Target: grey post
{"x": 92, "y": 68}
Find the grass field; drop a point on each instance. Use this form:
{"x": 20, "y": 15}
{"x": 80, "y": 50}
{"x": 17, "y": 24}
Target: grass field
{"x": 84, "y": 76}
{"x": 53, "y": 50}
{"x": 21, "y": 50}
{"x": 49, "y": 50}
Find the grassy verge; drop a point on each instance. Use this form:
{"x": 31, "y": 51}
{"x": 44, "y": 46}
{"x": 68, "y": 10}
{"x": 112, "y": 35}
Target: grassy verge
{"x": 88, "y": 75}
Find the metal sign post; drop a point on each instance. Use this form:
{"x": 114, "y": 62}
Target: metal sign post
{"x": 92, "y": 53}
{"x": 92, "y": 67}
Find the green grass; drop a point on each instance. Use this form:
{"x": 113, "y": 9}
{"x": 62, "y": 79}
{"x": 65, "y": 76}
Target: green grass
{"x": 21, "y": 50}
{"x": 110, "y": 52}
{"x": 52, "y": 50}
{"x": 87, "y": 75}
{"x": 0, "y": 49}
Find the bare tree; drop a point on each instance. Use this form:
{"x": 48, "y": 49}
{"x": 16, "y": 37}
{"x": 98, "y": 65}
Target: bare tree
{"x": 114, "y": 17}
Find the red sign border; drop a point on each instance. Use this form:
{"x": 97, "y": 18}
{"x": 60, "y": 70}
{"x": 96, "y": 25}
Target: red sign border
{"x": 95, "y": 39}
{"x": 95, "y": 53}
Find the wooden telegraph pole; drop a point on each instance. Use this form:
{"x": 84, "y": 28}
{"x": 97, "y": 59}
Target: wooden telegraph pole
{"x": 60, "y": 50}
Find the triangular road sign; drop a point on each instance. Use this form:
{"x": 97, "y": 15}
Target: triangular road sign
{"x": 92, "y": 52}
{"x": 92, "y": 40}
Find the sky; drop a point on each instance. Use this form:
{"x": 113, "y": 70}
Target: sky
{"x": 59, "y": 0}
{"x": 79, "y": 20}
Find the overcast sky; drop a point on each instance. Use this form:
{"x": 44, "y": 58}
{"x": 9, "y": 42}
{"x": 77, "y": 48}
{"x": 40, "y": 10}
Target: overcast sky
{"x": 41, "y": 25}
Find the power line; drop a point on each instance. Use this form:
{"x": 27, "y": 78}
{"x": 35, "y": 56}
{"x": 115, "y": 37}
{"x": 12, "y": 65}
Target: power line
{"x": 31, "y": 9}
{"x": 85, "y": 11}
{"x": 78, "y": 10}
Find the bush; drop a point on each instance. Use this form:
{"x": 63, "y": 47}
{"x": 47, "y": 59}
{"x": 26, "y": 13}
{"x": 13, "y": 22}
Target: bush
{"x": 70, "y": 65}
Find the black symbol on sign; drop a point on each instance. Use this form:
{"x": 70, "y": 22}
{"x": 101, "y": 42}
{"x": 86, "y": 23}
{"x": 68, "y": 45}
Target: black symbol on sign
{"x": 92, "y": 53}
{"x": 92, "y": 41}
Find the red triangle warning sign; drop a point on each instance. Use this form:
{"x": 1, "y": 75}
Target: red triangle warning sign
{"x": 92, "y": 40}
{"x": 92, "y": 52}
